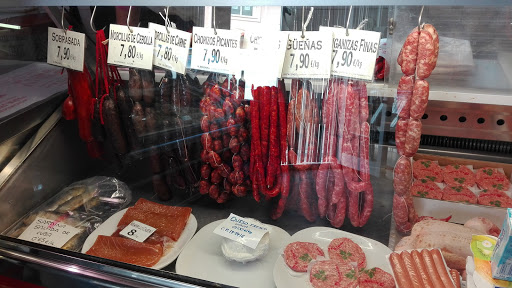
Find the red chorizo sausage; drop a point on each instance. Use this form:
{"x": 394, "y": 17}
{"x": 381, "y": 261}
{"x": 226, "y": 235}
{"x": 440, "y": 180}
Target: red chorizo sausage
{"x": 273, "y": 158}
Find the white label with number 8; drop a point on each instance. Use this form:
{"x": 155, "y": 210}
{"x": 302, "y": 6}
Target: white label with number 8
{"x": 137, "y": 231}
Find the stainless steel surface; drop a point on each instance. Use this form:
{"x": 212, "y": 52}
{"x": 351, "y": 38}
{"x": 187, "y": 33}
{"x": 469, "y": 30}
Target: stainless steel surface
{"x": 462, "y": 119}
{"x": 7, "y": 3}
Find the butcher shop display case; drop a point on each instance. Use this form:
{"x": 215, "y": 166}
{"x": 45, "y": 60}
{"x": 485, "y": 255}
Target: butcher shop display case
{"x": 252, "y": 146}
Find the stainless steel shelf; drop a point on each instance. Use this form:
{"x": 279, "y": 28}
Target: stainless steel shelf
{"x": 6, "y": 3}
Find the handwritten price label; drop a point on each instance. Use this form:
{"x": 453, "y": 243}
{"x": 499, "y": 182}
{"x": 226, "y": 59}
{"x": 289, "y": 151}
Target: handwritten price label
{"x": 137, "y": 231}
{"x": 243, "y": 230}
{"x": 308, "y": 57}
{"x": 215, "y": 53}
{"x": 48, "y": 232}
{"x": 171, "y": 49}
{"x": 131, "y": 49}
{"x": 353, "y": 55}
{"x": 66, "y": 49}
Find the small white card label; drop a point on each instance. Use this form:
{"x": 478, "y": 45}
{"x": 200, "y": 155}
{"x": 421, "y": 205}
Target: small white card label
{"x": 242, "y": 230}
{"x": 171, "y": 49}
{"x": 48, "y": 232}
{"x": 66, "y": 49}
{"x": 354, "y": 55}
{"x": 264, "y": 58}
{"x": 131, "y": 49}
{"x": 215, "y": 53}
{"x": 137, "y": 231}
{"x": 308, "y": 57}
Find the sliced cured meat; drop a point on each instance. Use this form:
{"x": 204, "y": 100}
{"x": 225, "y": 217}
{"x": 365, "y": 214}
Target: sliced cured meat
{"x": 151, "y": 206}
{"x": 297, "y": 255}
{"x": 459, "y": 194}
{"x": 496, "y": 199}
{"x": 325, "y": 274}
{"x": 492, "y": 178}
{"x": 346, "y": 251}
{"x": 170, "y": 226}
{"x": 426, "y": 169}
{"x": 126, "y": 250}
{"x": 375, "y": 278}
{"x": 458, "y": 175}
{"x": 426, "y": 190}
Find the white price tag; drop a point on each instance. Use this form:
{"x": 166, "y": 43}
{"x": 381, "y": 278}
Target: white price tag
{"x": 215, "y": 53}
{"x": 264, "y": 59}
{"x": 242, "y": 230}
{"x": 131, "y": 49}
{"x": 137, "y": 231}
{"x": 48, "y": 232}
{"x": 171, "y": 49}
{"x": 308, "y": 57}
{"x": 354, "y": 55}
{"x": 66, "y": 49}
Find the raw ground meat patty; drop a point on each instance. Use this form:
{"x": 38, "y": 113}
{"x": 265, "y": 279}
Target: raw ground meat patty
{"x": 459, "y": 194}
{"x": 426, "y": 190}
{"x": 375, "y": 278}
{"x": 488, "y": 178}
{"x": 426, "y": 169}
{"x": 493, "y": 197}
{"x": 348, "y": 275}
{"x": 297, "y": 255}
{"x": 458, "y": 175}
{"x": 325, "y": 274}
{"x": 344, "y": 250}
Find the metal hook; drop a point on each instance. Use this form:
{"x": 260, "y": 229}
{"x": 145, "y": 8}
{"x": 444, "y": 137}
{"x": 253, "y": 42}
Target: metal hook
{"x": 419, "y": 19}
{"x": 62, "y": 21}
{"x": 348, "y": 19}
{"x": 167, "y": 19}
{"x": 128, "y": 20}
{"x": 92, "y": 18}
{"x": 214, "y": 25}
{"x": 305, "y": 24}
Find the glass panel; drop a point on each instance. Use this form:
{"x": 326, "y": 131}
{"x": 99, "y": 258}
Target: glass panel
{"x": 247, "y": 10}
{"x": 236, "y": 10}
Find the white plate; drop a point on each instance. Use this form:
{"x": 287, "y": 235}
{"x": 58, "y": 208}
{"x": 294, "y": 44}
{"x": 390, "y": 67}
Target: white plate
{"x": 110, "y": 226}
{"x": 375, "y": 253}
{"x": 203, "y": 259}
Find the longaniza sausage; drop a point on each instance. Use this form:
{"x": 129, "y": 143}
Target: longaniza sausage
{"x": 431, "y": 268}
{"x": 422, "y": 269}
{"x": 400, "y": 271}
{"x": 441, "y": 268}
{"x": 414, "y": 273}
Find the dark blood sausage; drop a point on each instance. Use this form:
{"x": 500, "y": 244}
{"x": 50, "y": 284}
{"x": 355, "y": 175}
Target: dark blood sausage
{"x": 151, "y": 126}
{"x": 410, "y": 53}
{"x": 138, "y": 120}
{"x": 298, "y": 255}
{"x": 165, "y": 93}
{"x": 175, "y": 99}
{"x": 346, "y": 251}
{"x": 426, "y": 55}
{"x": 148, "y": 86}
{"x": 325, "y": 274}
{"x": 402, "y": 176}
{"x": 113, "y": 126}
{"x": 160, "y": 187}
{"x": 401, "y": 214}
{"x": 185, "y": 94}
{"x": 419, "y": 99}
{"x": 435, "y": 37}
{"x": 125, "y": 109}
{"x": 404, "y": 93}
{"x": 135, "y": 85}
{"x": 401, "y": 135}
{"x": 413, "y": 138}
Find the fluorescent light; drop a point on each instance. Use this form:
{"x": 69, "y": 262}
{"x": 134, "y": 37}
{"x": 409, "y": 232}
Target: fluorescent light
{"x": 2, "y": 25}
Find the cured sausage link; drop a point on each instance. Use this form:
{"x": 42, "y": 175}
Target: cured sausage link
{"x": 273, "y": 158}
{"x": 255, "y": 141}
{"x": 285, "y": 177}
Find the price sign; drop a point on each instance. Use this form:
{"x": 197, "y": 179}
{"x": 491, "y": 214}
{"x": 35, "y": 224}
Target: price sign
{"x": 245, "y": 231}
{"x": 308, "y": 57}
{"x": 354, "y": 55}
{"x": 171, "y": 49}
{"x": 66, "y": 49}
{"x": 137, "y": 231}
{"x": 215, "y": 53}
{"x": 131, "y": 49}
{"x": 48, "y": 232}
